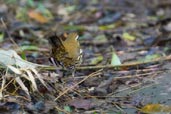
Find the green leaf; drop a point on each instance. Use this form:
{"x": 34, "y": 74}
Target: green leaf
{"x": 107, "y": 27}
{"x": 128, "y": 36}
{"x": 26, "y": 47}
{"x": 21, "y": 14}
{"x": 30, "y": 3}
{"x": 41, "y": 7}
{"x": 115, "y": 59}
{"x": 23, "y": 55}
{"x": 96, "y": 60}
{"x": 48, "y": 14}
{"x": 150, "y": 57}
{"x": 67, "y": 108}
{"x": 1, "y": 37}
{"x": 101, "y": 39}
{"x": 59, "y": 112}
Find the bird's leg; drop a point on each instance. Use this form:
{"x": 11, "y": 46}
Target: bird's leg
{"x": 73, "y": 73}
{"x": 57, "y": 70}
{"x": 74, "y": 81}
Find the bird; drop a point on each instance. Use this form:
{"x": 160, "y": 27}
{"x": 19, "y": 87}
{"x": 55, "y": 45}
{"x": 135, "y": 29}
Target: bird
{"x": 65, "y": 50}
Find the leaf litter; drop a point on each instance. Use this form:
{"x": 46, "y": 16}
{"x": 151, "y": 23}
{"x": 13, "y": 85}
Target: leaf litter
{"x": 137, "y": 32}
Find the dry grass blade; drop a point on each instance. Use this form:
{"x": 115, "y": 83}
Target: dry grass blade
{"x": 25, "y": 76}
{"x": 15, "y": 70}
{"x": 2, "y": 86}
{"x": 20, "y": 82}
{"x": 32, "y": 79}
{"x": 38, "y": 76}
{"x": 28, "y": 71}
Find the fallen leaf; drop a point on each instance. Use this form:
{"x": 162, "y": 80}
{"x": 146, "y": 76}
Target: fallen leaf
{"x": 100, "y": 39}
{"x": 107, "y": 27}
{"x": 96, "y": 60}
{"x": 74, "y": 27}
{"x": 21, "y": 14}
{"x": 37, "y": 16}
{"x": 29, "y": 47}
{"x": 128, "y": 36}
{"x": 150, "y": 57}
{"x": 67, "y": 108}
{"x": 115, "y": 59}
{"x": 156, "y": 108}
{"x": 81, "y": 104}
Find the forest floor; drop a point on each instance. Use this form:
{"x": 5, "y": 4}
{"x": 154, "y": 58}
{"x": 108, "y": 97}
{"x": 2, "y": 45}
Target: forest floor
{"x": 125, "y": 66}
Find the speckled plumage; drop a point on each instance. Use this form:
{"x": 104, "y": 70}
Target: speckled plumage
{"x": 65, "y": 49}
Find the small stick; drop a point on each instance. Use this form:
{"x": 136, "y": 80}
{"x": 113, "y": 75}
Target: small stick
{"x": 57, "y": 70}
{"x": 90, "y": 75}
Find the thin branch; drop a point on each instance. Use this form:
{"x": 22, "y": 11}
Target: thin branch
{"x": 133, "y": 64}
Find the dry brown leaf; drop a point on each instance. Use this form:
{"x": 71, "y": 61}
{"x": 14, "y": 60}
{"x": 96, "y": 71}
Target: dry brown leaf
{"x": 37, "y": 16}
{"x": 81, "y": 104}
{"x": 155, "y": 108}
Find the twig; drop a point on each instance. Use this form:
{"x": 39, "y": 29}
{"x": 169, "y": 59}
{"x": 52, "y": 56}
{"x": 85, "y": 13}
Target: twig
{"x": 167, "y": 58}
{"x": 137, "y": 75}
{"x": 6, "y": 29}
{"x": 135, "y": 64}
{"x": 119, "y": 108}
{"x": 131, "y": 88}
{"x": 90, "y": 75}
{"x": 143, "y": 88}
